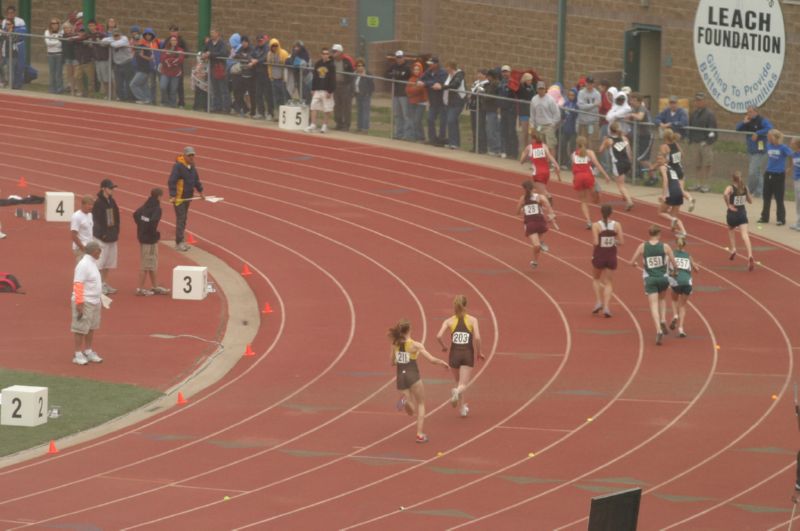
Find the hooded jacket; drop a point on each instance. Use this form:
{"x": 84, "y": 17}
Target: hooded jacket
{"x": 275, "y": 59}
{"x": 416, "y": 94}
{"x": 618, "y": 111}
{"x": 146, "y": 218}
{"x": 183, "y": 180}
{"x": 105, "y": 214}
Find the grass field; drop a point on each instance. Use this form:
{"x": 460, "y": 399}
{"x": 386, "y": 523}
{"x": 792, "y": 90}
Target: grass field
{"x": 83, "y": 404}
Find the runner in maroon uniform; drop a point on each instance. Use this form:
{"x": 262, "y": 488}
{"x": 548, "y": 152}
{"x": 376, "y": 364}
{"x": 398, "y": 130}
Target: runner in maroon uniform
{"x": 606, "y": 236}
{"x": 583, "y": 160}
{"x": 540, "y": 158}
{"x": 465, "y": 342}
{"x": 533, "y": 208}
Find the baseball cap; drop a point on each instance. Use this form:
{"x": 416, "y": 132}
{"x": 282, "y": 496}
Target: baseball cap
{"x": 107, "y": 183}
{"x": 433, "y": 61}
{"x": 136, "y": 29}
{"x": 589, "y": 79}
{"x": 673, "y": 99}
{"x": 399, "y": 53}
{"x": 541, "y": 84}
{"x": 337, "y": 48}
{"x": 505, "y": 68}
{"x": 261, "y": 37}
{"x": 188, "y": 150}
{"x": 700, "y": 96}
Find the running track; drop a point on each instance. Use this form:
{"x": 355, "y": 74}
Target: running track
{"x": 344, "y": 239}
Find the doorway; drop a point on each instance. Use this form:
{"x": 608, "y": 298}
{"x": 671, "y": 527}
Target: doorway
{"x": 375, "y": 23}
{"x": 642, "y": 62}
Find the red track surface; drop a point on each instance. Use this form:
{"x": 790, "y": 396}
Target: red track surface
{"x": 346, "y": 238}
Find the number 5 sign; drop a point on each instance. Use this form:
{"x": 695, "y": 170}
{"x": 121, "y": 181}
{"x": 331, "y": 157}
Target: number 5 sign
{"x": 293, "y": 117}
{"x": 23, "y": 405}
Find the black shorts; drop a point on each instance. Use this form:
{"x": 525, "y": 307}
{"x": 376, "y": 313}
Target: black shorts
{"x": 462, "y": 357}
{"x": 674, "y": 200}
{"x": 734, "y": 219}
{"x": 622, "y": 167}
{"x": 682, "y": 290}
{"x": 407, "y": 375}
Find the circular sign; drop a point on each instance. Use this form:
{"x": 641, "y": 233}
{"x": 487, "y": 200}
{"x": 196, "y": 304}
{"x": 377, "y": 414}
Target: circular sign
{"x": 739, "y": 46}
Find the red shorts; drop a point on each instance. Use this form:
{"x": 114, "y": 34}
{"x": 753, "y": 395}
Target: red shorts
{"x": 604, "y": 262}
{"x": 543, "y": 178}
{"x": 535, "y": 227}
{"x": 583, "y": 181}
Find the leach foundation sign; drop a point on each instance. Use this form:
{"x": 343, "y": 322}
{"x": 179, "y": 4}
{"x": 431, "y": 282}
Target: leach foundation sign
{"x": 739, "y": 46}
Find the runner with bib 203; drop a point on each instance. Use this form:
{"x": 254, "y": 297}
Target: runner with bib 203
{"x": 465, "y": 344}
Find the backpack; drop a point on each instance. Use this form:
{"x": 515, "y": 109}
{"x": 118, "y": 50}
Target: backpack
{"x": 9, "y": 283}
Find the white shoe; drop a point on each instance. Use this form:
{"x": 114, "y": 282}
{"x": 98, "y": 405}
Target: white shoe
{"x": 182, "y": 247}
{"x": 2, "y": 235}
{"x": 545, "y": 247}
{"x": 108, "y": 289}
{"x": 324, "y": 128}
{"x": 311, "y": 128}
{"x": 92, "y": 356}
{"x": 454, "y": 397}
{"x": 464, "y": 410}
{"x": 80, "y": 359}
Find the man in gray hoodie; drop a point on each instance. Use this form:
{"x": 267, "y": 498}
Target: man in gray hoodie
{"x": 589, "y": 117}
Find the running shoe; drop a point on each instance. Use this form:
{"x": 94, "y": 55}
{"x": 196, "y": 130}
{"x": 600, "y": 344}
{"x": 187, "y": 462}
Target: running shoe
{"x": 588, "y": 225}
{"x": 454, "y": 396}
{"x": 664, "y": 327}
{"x": 597, "y": 308}
{"x": 401, "y": 404}
{"x": 324, "y": 128}
{"x": 422, "y": 438}
{"x": 691, "y": 204}
{"x": 751, "y": 264}
{"x": 545, "y": 247}
{"x": 681, "y": 333}
{"x": 629, "y": 207}
{"x": 2, "y": 235}
{"x": 158, "y": 290}
{"x": 659, "y": 337}
{"x": 704, "y": 189}
{"x": 108, "y": 289}
{"x": 79, "y": 359}
{"x": 141, "y": 292}
{"x": 464, "y": 411}
{"x": 607, "y": 313}
{"x": 780, "y": 223}
{"x": 311, "y": 128}
{"x": 673, "y": 323}
{"x": 534, "y": 264}
{"x": 92, "y": 356}
{"x": 732, "y": 255}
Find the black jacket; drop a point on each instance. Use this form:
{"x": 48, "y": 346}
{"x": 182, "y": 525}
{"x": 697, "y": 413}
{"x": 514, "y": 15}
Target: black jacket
{"x": 183, "y": 180}
{"x": 105, "y": 214}
{"x": 147, "y": 217}
{"x": 399, "y": 72}
{"x": 324, "y": 76}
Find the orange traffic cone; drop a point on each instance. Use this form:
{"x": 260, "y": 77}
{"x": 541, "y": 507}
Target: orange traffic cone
{"x": 246, "y": 271}
{"x": 181, "y": 399}
{"x": 248, "y": 352}
{"x": 22, "y": 183}
{"x": 190, "y": 239}
{"x": 52, "y": 449}
{"x": 267, "y": 308}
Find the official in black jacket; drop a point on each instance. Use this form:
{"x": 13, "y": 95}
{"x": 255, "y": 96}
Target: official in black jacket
{"x": 146, "y": 218}
{"x": 105, "y": 214}
{"x": 183, "y": 181}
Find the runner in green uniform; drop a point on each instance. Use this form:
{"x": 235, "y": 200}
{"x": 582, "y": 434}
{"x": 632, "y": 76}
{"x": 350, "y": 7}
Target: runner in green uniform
{"x": 681, "y": 283}
{"x": 656, "y": 256}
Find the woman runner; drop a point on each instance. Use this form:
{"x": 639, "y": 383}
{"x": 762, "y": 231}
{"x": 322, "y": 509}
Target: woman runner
{"x": 465, "y": 342}
{"x": 620, "y": 160}
{"x": 736, "y": 196}
{"x": 540, "y": 158}
{"x": 681, "y": 284}
{"x": 656, "y": 256}
{"x": 673, "y": 155}
{"x": 404, "y": 356}
{"x": 672, "y": 195}
{"x": 606, "y": 236}
{"x": 583, "y": 162}
{"x": 533, "y": 207}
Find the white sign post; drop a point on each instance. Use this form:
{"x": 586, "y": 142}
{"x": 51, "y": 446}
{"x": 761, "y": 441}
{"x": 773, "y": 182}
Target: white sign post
{"x": 739, "y": 46}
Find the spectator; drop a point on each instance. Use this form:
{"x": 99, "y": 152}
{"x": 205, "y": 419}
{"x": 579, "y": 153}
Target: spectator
{"x": 433, "y": 79}
{"x": 123, "y": 66}
{"x": 605, "y": 106}
{"x": 102, "y": 70}
{"x": 55, "y": 56}
{"x": 151, "y": 41}
{"x": 454, "y": 94}
{"x": 758, "y": 126}
{"x": 673, "y": 117}
{"x": 200, "y": 84}
{"x": 569, "y": 128}
{"x": 795, "y": 145}
{"x": 182, "y": 182}
{"x": 263, "y": 87}
{"x": 86, "y": 305}
{"x": 171, "y": 71}
{"x": 525, "y": 94}
{"x": 298, "y": 83}
{"x": 144, "y": 58}
{"x": 14, "y": 47}
{"x": 242, "y": 78}
{"x": 364, "y": 86}
{"x": 105, "y": 228}
{"x": 85, "y": 56}
{"x": 478, "y": 112}
{"x": 620, "y": 110}
{"x": 589, "y": 101}
{"x": 508, "y": 115}
{"x": 701, "y": 139}
{"x": 545, "y": 116}
{"x": 399, "y": 73}
{"x": 80, "y": 227}
{"x": 643, "y": 132}
{"x": 174, "y": 31}
{"x": 489, "y": 104}
{"x": 417, "y": 96}
{"x": 322, "y": 87}
{"x": 146, "y": 218}
{"x": 68, "y": 49}
{"x": 343, "y": 97}
{"x": 216, "y": 53}
{"x": 775, "y": 176}
{"x": 276, "y": 58}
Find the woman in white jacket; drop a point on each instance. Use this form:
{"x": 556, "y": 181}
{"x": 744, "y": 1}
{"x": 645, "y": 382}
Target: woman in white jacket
{"x": 55, "y": 56}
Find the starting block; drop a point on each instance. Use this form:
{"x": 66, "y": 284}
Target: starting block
{"x": 189, "y": 283}
{"x": 23, "y": 405}
{"x": 58, "y": 206}
{"x": 293, "y": 117}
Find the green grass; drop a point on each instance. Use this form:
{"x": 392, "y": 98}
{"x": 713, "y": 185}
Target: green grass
{"x": 83, "y": 403}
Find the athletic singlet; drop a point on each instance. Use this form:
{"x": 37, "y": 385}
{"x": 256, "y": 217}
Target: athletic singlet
{"x": 739, "y": 200}
{"x": 673, "y": 184}
{"x": 684, "y": 272}
{"x": 402, "y": 356}
{"x": 618, "y": 150}
{"x": 532, "y": 209}
{"x": 461, "y": 338}
{"x": 581, "y": 164}
{"x": 608, "y": 236}
{"x": 540, "y": 165}
{"x": 655, "y": 260}
{"x": 674, "y": 159}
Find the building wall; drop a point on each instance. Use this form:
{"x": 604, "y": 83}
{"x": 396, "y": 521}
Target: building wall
{"x": 476, "y": 34}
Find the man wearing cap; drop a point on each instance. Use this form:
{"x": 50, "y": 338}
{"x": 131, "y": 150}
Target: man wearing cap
{"x": 182, "y": 183}
{"x": 105, "y": 229}
{"x": 343, "y": 95}
{"x": 758, "y": 127}
{"x": 545, "y": 116}
{"x": 701, "y": 137}
{"x": 263, "y": 85}
{"x": 589, "y": 116}
{"x": 86, "y": 304}
{"x": 400, "y": 72}
{"x": 508, "y": 115}
{"x": 673, "y": 117}
{"x": 433, "y": 78}
{"x": 122, "y": 62}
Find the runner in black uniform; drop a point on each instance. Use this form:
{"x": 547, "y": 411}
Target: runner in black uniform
{"x": 672, "y": 195}
{"x": 673, "y": 155}
{"x": 736, "y": 197}
{"x": 620, "y": 160}
{"x": 404, "y": 356}
{"x": 465, "y": 342}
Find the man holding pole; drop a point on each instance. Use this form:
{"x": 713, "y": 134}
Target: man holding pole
{"x": 182, "y": 183}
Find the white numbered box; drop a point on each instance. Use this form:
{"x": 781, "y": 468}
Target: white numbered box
{"x": 23, "y": 405}
{"x": 293, "y": 117}
{"x": 189, "y": 283}
{"x": 58, "y": 206}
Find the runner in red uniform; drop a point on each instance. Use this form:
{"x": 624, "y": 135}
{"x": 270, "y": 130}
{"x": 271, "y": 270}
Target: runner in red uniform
{"x": 583, "y": 162}
{"x": 606, "y": 236}
{"x": 540, "y": 158}
{"x": 533, "y": 208}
